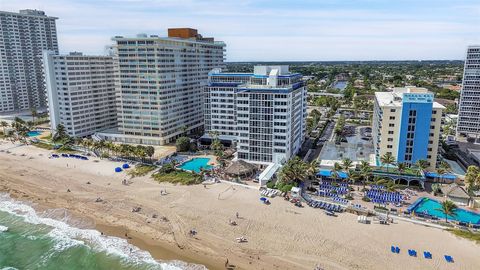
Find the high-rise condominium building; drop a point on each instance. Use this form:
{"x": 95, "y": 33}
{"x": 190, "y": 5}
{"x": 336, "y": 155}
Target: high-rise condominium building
{"x": 23, "y": 37}
{"x": 160, "y": 85}
{"x": 263, "y": 112}
{"x": 406, "y": 124}
{"x": 469, "y": 105}
{"x": 81, "y": 92}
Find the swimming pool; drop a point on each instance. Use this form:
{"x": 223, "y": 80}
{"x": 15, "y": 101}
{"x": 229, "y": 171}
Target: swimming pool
{"x": 432, "y": 208}
{"x": 196, "y": 164}
{"x": 33, "y": 133}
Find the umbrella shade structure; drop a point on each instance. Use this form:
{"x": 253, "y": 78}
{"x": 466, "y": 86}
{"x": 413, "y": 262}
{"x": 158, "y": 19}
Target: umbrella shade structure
{"x": 118, "y": 169}
{"x": 126, "y": 166}
{"x": 240, "y": 168}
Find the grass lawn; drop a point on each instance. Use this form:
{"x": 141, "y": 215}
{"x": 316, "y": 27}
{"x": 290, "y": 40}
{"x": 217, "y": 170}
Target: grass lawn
{"x": 43, "y": 145}
{"x": 140, "y": 170}
{"x": 473, "y": 236}
{"x": 46, "y": 137}
{"x": 177, "y": 177}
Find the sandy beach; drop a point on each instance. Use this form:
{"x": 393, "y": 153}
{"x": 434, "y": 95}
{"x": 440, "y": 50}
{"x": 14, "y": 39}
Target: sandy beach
{"x": 280, "y": 236}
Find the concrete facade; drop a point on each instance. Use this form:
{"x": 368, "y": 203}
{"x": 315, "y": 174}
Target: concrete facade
{"x": 23, "y": 37}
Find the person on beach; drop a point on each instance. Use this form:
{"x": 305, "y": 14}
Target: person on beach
{"x": 237, "y": 215}
{"x": 226, "y": 263}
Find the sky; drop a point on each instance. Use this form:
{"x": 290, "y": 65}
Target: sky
{"x": 277, "y": 30}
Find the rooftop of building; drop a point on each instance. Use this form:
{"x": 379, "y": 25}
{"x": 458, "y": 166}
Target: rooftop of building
{"x": 29, "y": 12}
{"x": 414, "y": 94}
{"x": 181, "y": 34}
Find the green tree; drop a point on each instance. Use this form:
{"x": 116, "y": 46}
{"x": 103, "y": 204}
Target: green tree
{"x": 4, "y": 125}
{"x": 60, "y": 133}
{"x": 387, "y": 159}
{"x": 472, "y": 178}
{"x": 150, "y": 151}
{"x": 401, "y": 167}
{"x": 335, "y": 171}
{"x": 183, "y": 144}
{"x": 294, "y": 170}
{"x": 34, "y": 114}
{"x": 448, "y": 208}
{"x": 422, "y": 165}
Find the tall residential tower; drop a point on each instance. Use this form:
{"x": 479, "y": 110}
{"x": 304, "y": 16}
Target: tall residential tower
{"x": 160, "y": 85}
{"x": 23, "y": 37}
{"x": 406, "y": 124}
{"x": 263, "y": 112}
{"x": 469, "y": 105}
{"x": 81, "y": 92}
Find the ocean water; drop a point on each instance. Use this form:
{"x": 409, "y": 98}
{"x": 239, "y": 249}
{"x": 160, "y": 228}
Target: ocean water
{"x": 29, "y": 240}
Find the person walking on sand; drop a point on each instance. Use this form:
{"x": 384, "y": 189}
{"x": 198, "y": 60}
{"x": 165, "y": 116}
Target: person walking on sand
{"x": 237, "y": 215}
{"x": 226, "y": 263}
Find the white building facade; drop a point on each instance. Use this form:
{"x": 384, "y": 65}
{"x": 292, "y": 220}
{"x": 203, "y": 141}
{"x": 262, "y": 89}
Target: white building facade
{"x": 81, "y": 92}
{"x": 263, "y": 113}
{"x": 23, "y": 37}
{"x": 407, "y": 124}
{"x": 469, "y": 104}
{"x": 160, "y": 85}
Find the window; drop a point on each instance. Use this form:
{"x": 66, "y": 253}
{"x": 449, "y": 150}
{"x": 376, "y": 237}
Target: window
{"x": 429, "y": 149}
{"x": 389, "y": 146}
{"x": 390, "y": 139}
{"x": 392, "y": 117}
{"x": 390, "y": 132}
{"x": 391, "y": 125}
{"x": 392, "y": 110}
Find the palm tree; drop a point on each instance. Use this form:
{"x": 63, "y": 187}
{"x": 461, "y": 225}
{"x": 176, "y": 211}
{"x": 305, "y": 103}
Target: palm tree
{"x": 312, "y": 168}
{"x": 421, "y": 164}
{"x": 387, "y": 159}
{"x": 346, "y": 164}
{"x": 337, "y": 168}
{"x": 448, "y": 208}
{"x": 34, "y": 114}
{"x": 4, "y": 125}
{"x": 365, "y": 171}
{"x": 401, "y": 167}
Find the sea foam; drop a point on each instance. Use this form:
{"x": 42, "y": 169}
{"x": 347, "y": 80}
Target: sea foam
{"x": 67, "y": 236}
{"x": 3, "y": 228}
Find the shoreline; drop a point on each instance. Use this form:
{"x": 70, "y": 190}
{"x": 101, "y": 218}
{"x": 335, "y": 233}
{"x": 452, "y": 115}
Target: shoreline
{"x": 280, "y": 235}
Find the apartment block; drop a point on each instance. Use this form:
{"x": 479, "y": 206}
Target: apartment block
{"x": 407, "y": 123}
{"x": 262, "y": 113}
{"x": 23, "y": 37}
{"x": 81, "y": 92}
{"x": 469, "y": 105}
{"x": 160, "y": 85}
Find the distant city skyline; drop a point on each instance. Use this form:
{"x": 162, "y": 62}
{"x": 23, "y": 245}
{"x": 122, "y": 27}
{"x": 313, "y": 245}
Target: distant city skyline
{"x": 303, "y": 30}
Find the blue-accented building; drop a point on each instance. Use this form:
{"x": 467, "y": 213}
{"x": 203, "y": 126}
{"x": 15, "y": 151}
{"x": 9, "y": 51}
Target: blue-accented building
{"x": 407, "y": 124}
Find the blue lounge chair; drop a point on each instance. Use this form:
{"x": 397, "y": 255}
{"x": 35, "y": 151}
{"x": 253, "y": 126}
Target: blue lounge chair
{"x": 397, "y": 250}
{"x": 449, "y": 258}
{"x": 392, "y": 248}
{"x": 427, "y": 255}
{"x": 412, "y": 253}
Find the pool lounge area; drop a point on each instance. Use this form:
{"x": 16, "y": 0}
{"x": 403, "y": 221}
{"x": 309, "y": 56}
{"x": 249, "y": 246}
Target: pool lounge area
{"x": 430, "y": 208}
{"x": 196, "y": 164}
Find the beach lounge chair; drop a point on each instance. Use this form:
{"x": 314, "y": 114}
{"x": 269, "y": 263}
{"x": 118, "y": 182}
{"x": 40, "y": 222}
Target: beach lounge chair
{"x": 449, "y": 258}
{"x": 392, "y": 248}
{"x": 412, "y": 253}
{"x": 397, "y": 250}
{"x": 427, "y": 255}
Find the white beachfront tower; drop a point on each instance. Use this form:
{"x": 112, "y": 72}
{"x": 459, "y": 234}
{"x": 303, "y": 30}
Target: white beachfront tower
{"x": 263, "y": 113}
{"x": 81, "y": 92}
{"x": 23, "y": 37}
{"x": 159, "y": 93}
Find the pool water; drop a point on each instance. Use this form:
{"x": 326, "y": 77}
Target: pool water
{"x": 196, "y": 164}
{"x": 432, "y": 207}
{"x": 33, "y": 133}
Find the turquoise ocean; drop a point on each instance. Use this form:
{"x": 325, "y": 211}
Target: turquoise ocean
{"x": 29, "y": 240}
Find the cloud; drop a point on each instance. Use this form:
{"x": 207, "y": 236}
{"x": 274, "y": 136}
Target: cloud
{"x": 276, "y": 30}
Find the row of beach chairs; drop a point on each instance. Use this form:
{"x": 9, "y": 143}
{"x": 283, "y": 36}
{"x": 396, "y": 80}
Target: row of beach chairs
{"x": 268, "y": 192}
{"x": 326, "y": 206}
{"x": 426, "y": 254}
